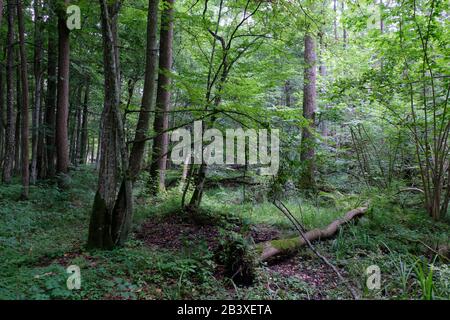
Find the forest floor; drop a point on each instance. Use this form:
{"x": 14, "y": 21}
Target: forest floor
{"x": 171, "y": 257}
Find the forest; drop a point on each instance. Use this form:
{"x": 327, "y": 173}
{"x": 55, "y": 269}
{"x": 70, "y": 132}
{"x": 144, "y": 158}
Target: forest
{"x": 224, "y": 149}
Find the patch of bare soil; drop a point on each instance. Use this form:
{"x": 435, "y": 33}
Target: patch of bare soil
{"x": 309, "y": 270}
{"x": 173, "y": 233}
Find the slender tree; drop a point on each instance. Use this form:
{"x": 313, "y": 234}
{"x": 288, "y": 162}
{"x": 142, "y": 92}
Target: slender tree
{"x": 161, "y": 124}
{"x": 37, "y": 88}
{"x": 25, "y": 102}
{"x": 111, "y": 214}
{"x": 50, "y": 110}
{"x": 137, "y": 151}
{"x": 62, "y": 106}
{"x": 307, "y": 153}
{"x": 8, "y": 163}
{"x": 84, "y": 126}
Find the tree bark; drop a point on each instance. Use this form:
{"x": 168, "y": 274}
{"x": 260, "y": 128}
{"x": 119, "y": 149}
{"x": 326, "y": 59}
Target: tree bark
{"x": 62, "y": 108}
{"x": 84, "y": 127}
{"x": 160, "y": 143}
{"x": 50, "y": 116}
{"x": 111, "y": 217}
{"x": 137, "y": 151}
{"x": 38, "y": 87}
{"x": 25, "y": 103}
{"x": 8, "y": 163}
{"x": 275, "y": 248}
{"x": 307, "y": 154}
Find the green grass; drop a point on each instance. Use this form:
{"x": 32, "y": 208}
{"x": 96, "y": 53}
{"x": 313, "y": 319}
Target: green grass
{"x": 41, "y": 237}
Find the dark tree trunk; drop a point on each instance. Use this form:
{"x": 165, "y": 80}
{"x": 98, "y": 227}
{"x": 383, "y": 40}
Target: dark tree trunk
{"x": 84, "y": 126}
{"x": 8, "y": 163}
{"x": 111, "y": 216}
{"x": 307, "y": 154}
{"x": 37, "y": 88}
{"x": 2, "y": 100}
{"x": 18, "y": 120}
{"x": 50, "y": 116}
{"x": 62, "y": 108}
{"x": 160, "y": 143}
{"x": 25, "y": 103}
{"x": 2, "y": 117}
{"x": 137, "y": 151}
{"x": 77, "y": 132}
{"x": 41, "y": 155}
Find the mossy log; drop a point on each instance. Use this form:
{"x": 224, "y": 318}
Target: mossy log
{"x": 271, "y": 249}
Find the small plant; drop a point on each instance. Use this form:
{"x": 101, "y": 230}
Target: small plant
{"x": 424, "y": 275}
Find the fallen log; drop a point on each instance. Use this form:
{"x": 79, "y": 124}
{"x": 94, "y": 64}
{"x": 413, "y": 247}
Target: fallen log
{"x": 274, "y": 248}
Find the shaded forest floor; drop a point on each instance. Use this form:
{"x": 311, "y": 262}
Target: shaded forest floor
{"x": 170, "y": 257}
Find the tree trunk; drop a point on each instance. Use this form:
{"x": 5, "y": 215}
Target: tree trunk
{"x": 41, "y": 156}
{"x": 344, "y": 31}
{"x": 137, "y": 151}
{"x": 25, "y": 103}
{"x": 2, "y": 116}
{"x": 50, "y": 116}
{"x": 62, "y": 108}
{"x": 275, "y": 248}
{"x": 8, "y": 163}
{"x": 160, "y": 143}
{"x": 307, "y": 155}
{"x": 111, "y": 217}
{"x": 323, "y": 75}
{"x": 38, "y": 87}
{"x": 18, "y": 135}
{"x": 77, "y": 132}
{"x": 84, "y": 127}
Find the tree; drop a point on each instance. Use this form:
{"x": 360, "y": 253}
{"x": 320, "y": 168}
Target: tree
{"x": 38, "y": 54}
{"x": 8, "y": 162}
{"x": 307, "y": 153}
{"x": 25, "y": 103}
{"x": 111, "y": 214}
{"x": 62, "y": 106}
{"x": 84, "y": 126}
{"x": 50, "y": 110}
{"x": 161, "y": 124}
{"x": 137, "y": 151}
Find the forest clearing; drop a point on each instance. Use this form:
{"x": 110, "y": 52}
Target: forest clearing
{"x": 224, "y": 150}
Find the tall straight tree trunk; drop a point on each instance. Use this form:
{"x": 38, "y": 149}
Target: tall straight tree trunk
{"x": 307, "y": 154}
{"x": 160, "y": 126}
{"x": 2, "y": 116}
{"x": 77, "y": 128}
{"x": 62, "y": 108}
{"x": 37, "y": 87}
{"x": 336, "y": 37}
{"x": 17, "y": 166}
{"x": 41, "y": 155}
{"x": 323, "y": 75}
{"x": 84, "y": 126}
{"x": 344, "y": 31}
{"x": 137, "y": 151}
{"x": 111, "y": 216}
{"x": 2, "y": 100}
{"x": 50, "y": 115}
{"x": 8, "y": 163}
{"x": 25, "y": 103}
